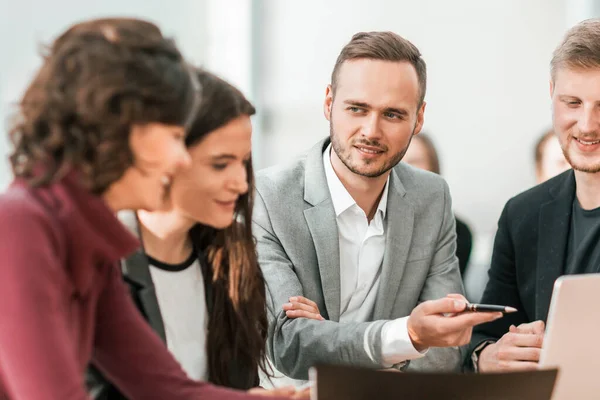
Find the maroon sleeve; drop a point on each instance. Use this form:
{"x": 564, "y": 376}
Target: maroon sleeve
{"x": 132, "y": 356}
{"x": 37, "y": 353}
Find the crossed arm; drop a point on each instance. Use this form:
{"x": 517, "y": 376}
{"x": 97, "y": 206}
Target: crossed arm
{"x": 295, "y": 344}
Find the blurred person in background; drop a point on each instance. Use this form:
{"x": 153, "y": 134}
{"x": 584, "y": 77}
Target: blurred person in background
{"x": 100, "y": 129}
{"x": 549, "y": 161}
{"x": 196, "y": 277}
{"x": 549, "y": 158}
{"x": 422, "y": 154}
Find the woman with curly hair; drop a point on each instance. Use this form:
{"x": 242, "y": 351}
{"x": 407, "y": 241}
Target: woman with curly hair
{"x": 101, "y": 128}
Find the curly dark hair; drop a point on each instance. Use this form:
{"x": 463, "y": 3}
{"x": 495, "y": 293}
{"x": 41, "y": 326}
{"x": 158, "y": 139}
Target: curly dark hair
{"x": 98, "y": 79}
{"x": 237, "y": 330}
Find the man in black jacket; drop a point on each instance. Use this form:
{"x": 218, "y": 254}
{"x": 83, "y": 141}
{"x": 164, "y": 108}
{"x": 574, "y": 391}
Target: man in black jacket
{"x": 552, "y": 229}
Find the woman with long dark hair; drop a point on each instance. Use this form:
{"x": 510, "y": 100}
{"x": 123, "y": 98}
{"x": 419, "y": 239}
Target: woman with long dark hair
{"x": 196, "y": 277}
{"x": 100, "y": 129}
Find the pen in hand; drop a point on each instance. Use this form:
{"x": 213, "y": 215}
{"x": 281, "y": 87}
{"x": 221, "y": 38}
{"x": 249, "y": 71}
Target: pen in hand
{"x": 474, "y": 307}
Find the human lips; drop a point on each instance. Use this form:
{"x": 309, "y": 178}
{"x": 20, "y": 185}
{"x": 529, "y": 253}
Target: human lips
{"x": 369, "y": 151}
{"x": 227, "y": 203}
{"x": 586, "y": 146}
{"x": 587, "y": 142}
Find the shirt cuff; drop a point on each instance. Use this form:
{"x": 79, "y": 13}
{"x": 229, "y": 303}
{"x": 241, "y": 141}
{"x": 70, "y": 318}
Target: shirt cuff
{"x": 477, "y": 351}
{"x": 396, "y": 346}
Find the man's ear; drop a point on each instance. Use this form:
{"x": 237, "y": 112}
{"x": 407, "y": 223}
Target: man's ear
{"x": 420, "y": 118}
{"x": 328, "y": 103}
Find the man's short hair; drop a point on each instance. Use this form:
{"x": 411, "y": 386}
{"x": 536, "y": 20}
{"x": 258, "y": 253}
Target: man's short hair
{"x": 384, "y": 46}
{"x": 580, "y": 47}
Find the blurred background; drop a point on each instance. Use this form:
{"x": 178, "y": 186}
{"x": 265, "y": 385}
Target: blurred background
{"x": 488, "y": 94}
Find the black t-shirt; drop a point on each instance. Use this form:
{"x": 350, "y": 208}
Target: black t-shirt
{"x": 583, "y": 250}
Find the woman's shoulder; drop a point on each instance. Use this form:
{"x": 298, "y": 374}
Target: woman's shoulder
{"x": 30, "y": 214}
{"x": 24, "y": 203}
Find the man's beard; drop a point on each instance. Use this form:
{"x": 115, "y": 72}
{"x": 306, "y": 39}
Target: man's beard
{"x": 346, "y": 159}
{"x": 592, "y": 169}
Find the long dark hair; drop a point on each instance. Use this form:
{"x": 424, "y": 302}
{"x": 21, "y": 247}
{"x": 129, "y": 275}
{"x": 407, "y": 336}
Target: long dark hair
{"x": 98, "y": 79}
{"x": 238, "y": 324}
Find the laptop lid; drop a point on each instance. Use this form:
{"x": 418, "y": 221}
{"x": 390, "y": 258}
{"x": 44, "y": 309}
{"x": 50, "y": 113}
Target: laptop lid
{"x": 350, "y": 383}
{"x": 572, "y": 337}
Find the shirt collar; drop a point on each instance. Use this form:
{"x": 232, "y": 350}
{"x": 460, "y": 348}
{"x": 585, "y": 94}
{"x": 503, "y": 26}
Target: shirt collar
{"x": 342, "y": 200}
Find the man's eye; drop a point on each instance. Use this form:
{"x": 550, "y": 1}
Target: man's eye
{"x": 391, "y": 115}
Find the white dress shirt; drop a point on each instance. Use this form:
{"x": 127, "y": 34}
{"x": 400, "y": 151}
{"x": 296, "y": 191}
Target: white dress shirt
{"x": 362, "y": 246}
{"x": 182, "y": 302}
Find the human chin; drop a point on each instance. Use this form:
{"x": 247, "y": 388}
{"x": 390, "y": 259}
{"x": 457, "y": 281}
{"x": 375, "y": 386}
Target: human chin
{"x": 152, "y": 201}
{"x": 154, "y": 197}
{"x": 366, "y": 167}
{"x": 221, "y": 220}
{"x": 582, "y": 163}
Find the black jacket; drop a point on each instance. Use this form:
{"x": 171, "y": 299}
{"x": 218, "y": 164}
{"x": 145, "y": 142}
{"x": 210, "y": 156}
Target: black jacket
{"x": 529, "y": 255}
{"x": 464, "y": 243}
{"x": 136, "y": 273}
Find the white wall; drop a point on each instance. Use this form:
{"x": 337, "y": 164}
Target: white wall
{"x": 488, "y": 71}
{"x": 487, "y": 97}
{"x": 27, "y": 24}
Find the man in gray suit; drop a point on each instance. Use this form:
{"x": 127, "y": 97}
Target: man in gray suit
{"x": 370, "y": 240}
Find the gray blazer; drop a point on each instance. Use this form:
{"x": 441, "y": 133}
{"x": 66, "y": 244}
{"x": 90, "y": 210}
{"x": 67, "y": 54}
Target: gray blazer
{"x": 298, "y": 247}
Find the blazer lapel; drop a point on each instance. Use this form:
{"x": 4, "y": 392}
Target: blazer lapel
{"x": 322, "y": 225}
{"x": 399, "y": 229}
{"x": 554, "y": 226}
{"x": 136, "y": 271}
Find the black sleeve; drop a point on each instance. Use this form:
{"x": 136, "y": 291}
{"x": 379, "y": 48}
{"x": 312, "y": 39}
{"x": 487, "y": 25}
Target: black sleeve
{"x": 464, "y": 243}
{"x": 501, "y": 288}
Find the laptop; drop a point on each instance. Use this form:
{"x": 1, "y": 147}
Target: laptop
{"x": 351, "y": 383}
{"x": 572, "y": 340}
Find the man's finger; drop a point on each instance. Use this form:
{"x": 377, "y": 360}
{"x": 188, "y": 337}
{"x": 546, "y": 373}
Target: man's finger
{"x": 303, "y": 314}
{"x": 518, "y": 365}
{"x": 457, "y": 296}
{"x": 301, "y": 306}
{"x": 525, "y": 340}
{"x": 467, "y": 320}
{"x": 513, "y": 353}
{"x": 536, "y": 328}
{"x": 304, "y": 300}
{"x": 445, "y": 305}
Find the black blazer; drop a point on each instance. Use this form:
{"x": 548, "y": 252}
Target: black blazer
{"x": 529, "y": 255}
{"x": 464, "y": 243}
{"x": 136, "y": 273}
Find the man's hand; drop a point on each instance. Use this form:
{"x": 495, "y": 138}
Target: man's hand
{"x": 301, "y": 307}
{"x": 442, "y": 323}
{"x": 535, "y": 328}
{"x": 518, "y": 350}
